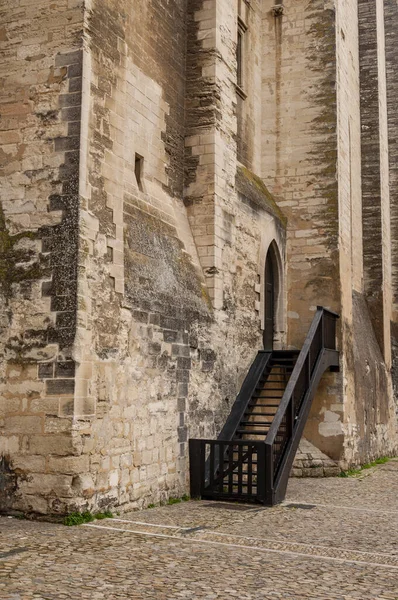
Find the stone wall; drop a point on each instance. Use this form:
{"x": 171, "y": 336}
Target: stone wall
{"x": 169, "y": 292}
{"x": 140, "y": 289}
{"x": 40, "y": 78}
{"x": 312, "y": 163}
{"x": 248, "y": 99}
{"x": 299, "y": 165}
{"x": 133, "y": 308}
{"x": 375, "y": 177}
{"x": 390, "y": 18}
{"x": 300, "y": 152}
{"x": 370, "y": 424}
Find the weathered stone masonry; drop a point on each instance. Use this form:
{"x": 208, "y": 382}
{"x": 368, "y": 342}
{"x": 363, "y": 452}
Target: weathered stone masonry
{"x": 312, "y": 163}
{"x": 372, "y": 192}
{"x": 159, "y": 359}
{"x": 40, "y": 121}
{"x": 136, "y": 222}
{"x": 391, "y": 40}
{"x": 300, "y": 167}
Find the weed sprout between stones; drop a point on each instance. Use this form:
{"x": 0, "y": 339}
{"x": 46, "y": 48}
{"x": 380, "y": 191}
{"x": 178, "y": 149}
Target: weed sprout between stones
{"x": 78, "y": 518}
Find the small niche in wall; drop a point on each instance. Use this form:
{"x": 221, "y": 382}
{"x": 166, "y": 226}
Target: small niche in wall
{"x": 139, "y": 170}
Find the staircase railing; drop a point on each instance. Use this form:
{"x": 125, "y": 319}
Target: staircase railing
{"x": 318, "y": 354}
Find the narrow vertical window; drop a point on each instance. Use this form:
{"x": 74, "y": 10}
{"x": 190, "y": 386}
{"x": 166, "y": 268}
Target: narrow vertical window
{"x": 239, "y": 59}
{"x": 139, "y": 164}
{"x": 240, "y": 54}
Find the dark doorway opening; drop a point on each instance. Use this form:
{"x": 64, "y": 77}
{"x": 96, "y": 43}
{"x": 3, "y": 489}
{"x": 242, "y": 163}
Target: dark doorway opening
{"x": 269, "y": 302}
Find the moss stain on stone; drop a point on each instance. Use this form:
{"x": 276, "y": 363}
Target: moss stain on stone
{"x": 324, "y": 155}
{"x": 12, "y": 259}
{"x": 253, "y": 187}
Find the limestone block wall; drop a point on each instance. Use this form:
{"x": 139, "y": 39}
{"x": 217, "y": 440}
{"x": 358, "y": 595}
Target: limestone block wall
{"x": 299, "y": 165}
{"x": 391, "y": 33}
{"x": 168, "y": 293}
{"x": 248, "y": 99}
{"x": 211, "y": 134}
{"x": 40, "y": 76}
{"x": 369, "y": 424}
{"x": 132, "y": 254}
{"x": 137, "y": 281}
{"x": 311, "y": 162}
{"x": 375, "y": 179}
{"x": 299, "y": 150}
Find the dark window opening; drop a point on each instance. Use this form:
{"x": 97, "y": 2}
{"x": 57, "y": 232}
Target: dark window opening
{"x": 239, "y": 59}
{"x": 138, "y": 168}
{"x": 240, "y": 54}
{"x": 271, "y": 293}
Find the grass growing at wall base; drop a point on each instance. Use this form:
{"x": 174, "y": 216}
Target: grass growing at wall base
{"x": 354, "y": 472}
{"x": 85, "y": 517}
{"x": 170, "y": 501}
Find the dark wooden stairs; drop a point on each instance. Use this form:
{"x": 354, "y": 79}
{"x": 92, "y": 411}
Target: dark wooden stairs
{"x": 253, "y": 455}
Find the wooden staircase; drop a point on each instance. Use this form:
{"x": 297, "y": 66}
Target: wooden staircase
{"x": 267, "y": 396}
{"x": 253, "y": 455}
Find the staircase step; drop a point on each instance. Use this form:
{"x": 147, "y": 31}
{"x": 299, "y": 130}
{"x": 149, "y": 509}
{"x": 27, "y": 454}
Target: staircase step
{"x": 281, "y": 371}
{"x": 265, "y": 397}
{"x": 281, "y": 361}
{"x": 270, "y": 377}
{"x": 270, "y": 389}
{"x": 257, "y": 422}
{"x": 251, "y": 431}
{"x": 257, "y": 392}
{"x": 259, "y": 414}
{"x": 259, "y": 395}
{"x": 257, "y": 405}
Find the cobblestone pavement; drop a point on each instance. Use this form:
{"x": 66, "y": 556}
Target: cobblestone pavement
{"x": 332, "y": 539}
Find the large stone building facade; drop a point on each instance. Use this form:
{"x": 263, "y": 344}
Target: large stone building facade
{"x": 153, "y": 154}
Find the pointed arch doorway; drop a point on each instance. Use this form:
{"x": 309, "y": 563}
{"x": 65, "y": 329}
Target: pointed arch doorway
{"x": 270, "y": 293}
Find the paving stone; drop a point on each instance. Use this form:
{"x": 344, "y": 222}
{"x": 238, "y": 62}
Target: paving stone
{"x": 344, "y": 546}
